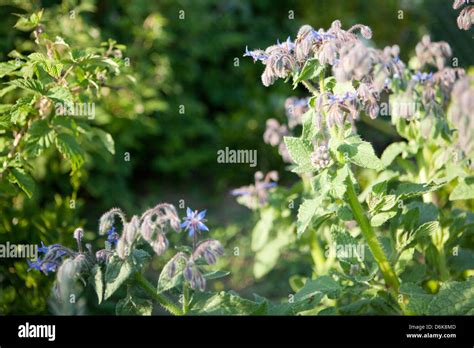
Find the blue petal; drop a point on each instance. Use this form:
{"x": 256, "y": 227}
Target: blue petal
{"x": 189, "y": 212}
{"x": 202, "y": 214}
{"x": 191, "y": 232}
{"x": 202, "y": 227}
{"x": 185, "y": 224}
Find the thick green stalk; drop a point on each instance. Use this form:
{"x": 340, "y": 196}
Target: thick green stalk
{"x": 164, "y": 301}
{"x": 185, "y": 298}
{"x": 389, "y": 275}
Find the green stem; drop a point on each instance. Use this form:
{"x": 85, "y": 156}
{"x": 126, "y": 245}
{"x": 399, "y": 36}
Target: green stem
{"x": 185, "y": 298}
{"x": 422, "y": 174}
{"x": 317, "y": 254}
{"x": 389, "y": 275}
{"x": 310, "y": 87}
{"x": 164, "y": 301}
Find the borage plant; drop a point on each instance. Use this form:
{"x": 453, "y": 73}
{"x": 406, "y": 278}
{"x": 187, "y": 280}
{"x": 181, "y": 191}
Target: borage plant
{"x": 396, "y": 228}
{"x": 125, "y": 254}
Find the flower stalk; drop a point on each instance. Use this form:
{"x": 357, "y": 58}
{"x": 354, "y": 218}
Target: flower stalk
{"x": 388, "y": 273}
{"x": 164, "y": 301}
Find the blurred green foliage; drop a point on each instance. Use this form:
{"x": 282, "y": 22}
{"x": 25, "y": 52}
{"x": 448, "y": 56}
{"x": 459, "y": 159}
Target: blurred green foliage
{"x": 193, "y": 94}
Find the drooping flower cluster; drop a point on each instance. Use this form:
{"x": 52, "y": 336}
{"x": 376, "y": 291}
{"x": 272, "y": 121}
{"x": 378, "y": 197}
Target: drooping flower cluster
{"x": 283, "y": 59}
{"x": 466, "y": 16}
{"x": 254, "y": 196}
{"x": 209, "y": 250}
{"x": 150, "y": 227}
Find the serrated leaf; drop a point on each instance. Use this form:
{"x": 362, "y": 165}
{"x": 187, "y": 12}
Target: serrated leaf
{"x": 463, "y": 190}
{"x": 410, "y": 190}
{"x": 22, "y": 179}
{"x": 20, "y": 111}
{"x": 317, "y": 288}
{"x": 299, "y": 150}
{"x": 360, "y": 153}
{"x": 70, "y": 149}
{"x": 310, "y": 212}
{"x": 132, "y": 305}
{"x": 60, "y": 94}
{"x": 28, "y": 84}
{"x": 40, "y": 137}
{"x": 453, "y": 298}
{"x": 380, "y": 218}
{"x": 226, "y": 303}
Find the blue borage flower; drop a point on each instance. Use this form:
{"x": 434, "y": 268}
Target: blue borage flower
{"x": 194, "y": 221}
{"x": 112, "y": 236}
{"x": 422, "y": 77}
{"x": 52, "y": 260}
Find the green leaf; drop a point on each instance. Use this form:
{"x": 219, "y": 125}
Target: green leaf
{"x": 28, "y": 84}
{"x": 392, "y": 151}
{"x": 299, "y": 150}
{"x": 267, "y": 257}
{"x": 317, "y": 288}
{"x": 97, "y": 280}
{"x": 117, "y": 272}
{"x": 165, "y": 282}
{"x": 39, "y": 137}
{"x": 8, "y": 67}
{"x": 360, "y": 153}
{"x": 20, "y": 111}
{"x": 106, "y": 139}
{"x": 22, "y": 179}
{"x": 60, "y": 94}
{"x": 453, "y": 298}
{"x": 310, "y": 212}
{"x": 463, "y": 190}
{"x": 310, "y": 70}
{"x": 261, "y": 231}
{"x": 132, "y": 305}
{"x": 380, "y": 218}
{"x": 410, "y": 190}
{"x": 70, "y": 149}
{"x": 28, "y": 23}
{"x": 226, "y": 303}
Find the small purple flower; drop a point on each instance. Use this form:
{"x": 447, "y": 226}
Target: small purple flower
{"x": 194, "y": 221}
{"x": 422, "y": 77}
{"x": 35, "y": 264}
{"x": 112, "y": 236}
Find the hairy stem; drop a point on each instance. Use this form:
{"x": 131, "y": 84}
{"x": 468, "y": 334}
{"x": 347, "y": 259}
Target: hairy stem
{"x": 310, "y": 87}
{"x": 164, "y": 301}
{"x": 185, "y": 298}
{"x": 317, "y": 254}
{"x": 388, "y": 273}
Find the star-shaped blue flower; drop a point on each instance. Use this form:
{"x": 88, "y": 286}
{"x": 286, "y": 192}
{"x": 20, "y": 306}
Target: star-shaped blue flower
{"x": 194, "y": 221}
{"x": 112, "y": 236}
